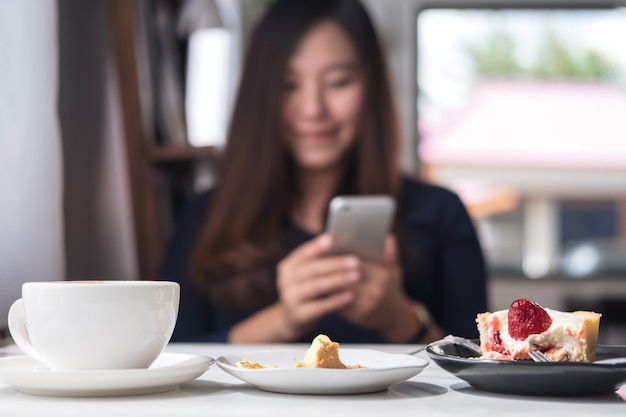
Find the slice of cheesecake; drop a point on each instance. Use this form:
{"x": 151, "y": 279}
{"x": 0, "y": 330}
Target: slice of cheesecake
{"x": 526, "y": 326}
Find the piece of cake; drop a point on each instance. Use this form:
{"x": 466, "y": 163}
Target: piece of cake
{"x": 526, "y": 326}
{"x": 323, "y": 353}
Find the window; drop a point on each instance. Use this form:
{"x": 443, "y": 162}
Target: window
{"x": 522, "y": 111}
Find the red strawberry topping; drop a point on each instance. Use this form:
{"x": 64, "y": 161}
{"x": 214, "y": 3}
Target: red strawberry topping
{"x": 526, "y": 318}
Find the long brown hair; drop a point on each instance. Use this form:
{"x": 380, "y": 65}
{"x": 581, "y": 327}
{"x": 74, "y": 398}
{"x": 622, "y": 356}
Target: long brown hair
{"x": 242, "y": 234}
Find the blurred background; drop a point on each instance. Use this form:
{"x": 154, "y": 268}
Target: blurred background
{"x": 112, "y": 113}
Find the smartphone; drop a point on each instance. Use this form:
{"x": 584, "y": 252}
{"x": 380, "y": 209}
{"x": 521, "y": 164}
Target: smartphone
{"x": 359, "y": 224}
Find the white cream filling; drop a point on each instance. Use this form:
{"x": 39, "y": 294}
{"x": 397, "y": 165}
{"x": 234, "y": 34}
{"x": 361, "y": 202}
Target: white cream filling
{"x": 563, "y": 332}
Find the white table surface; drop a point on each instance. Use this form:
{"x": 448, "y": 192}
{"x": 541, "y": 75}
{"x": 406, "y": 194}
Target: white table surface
{"x": 434, "y": 392}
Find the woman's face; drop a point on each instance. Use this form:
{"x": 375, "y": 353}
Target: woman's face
{"x": 324, "y": 88}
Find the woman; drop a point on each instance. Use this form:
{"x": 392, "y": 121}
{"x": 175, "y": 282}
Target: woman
{"x": 314, "y": 118}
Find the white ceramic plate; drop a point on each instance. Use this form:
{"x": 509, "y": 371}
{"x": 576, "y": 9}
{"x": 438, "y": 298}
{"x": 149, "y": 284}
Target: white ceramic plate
{"x": 381, "y": 370}
{"x": 167, "y": 372}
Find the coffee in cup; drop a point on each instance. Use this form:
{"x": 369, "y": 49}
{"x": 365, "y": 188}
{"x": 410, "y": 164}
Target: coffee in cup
{"x": 95, "y": 325}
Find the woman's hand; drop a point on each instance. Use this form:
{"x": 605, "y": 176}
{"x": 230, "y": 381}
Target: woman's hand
{"x": 311, "y": 284}
{"x": 380, "y": 303}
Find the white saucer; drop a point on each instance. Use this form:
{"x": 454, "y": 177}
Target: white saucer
{"x": 167, "y": 372}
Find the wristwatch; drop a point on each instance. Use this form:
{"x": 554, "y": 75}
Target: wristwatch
{"x": 425, "y": 321}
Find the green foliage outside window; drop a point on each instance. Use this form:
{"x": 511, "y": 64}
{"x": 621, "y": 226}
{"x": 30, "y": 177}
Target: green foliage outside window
{"x": 496, "y": 58}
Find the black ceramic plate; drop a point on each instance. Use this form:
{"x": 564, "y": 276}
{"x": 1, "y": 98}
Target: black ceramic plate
{"x": 533, "y": 378}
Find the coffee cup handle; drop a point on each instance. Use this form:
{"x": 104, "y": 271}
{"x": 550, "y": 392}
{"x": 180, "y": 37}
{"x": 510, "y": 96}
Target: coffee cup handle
{"x": 19, "y": 334}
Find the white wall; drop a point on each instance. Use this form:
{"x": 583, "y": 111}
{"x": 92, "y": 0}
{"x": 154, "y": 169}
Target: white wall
{"x": 31, "y": 217}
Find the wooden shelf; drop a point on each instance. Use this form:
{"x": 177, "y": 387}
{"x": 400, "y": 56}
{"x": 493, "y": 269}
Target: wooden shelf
{"x": 181, "y": 153}
{"x": 160, "y": 176}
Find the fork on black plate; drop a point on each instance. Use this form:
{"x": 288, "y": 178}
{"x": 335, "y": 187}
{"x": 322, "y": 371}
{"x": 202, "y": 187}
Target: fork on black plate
{"x": 538, "y": 356}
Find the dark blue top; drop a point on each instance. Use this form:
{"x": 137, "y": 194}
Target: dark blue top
{"x": 445, "y": 269}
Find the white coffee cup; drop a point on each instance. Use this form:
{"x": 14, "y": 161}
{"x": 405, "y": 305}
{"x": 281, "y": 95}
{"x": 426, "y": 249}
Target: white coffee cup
{"x": 95, "y": 325}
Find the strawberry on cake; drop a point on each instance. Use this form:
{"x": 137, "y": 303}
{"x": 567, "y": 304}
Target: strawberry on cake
{"x": 526, "y": 326}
